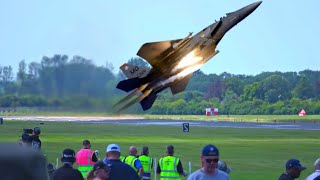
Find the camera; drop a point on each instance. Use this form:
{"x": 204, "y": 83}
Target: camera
{"x": 27, "y": 131}
{"x": 35, "y": 130}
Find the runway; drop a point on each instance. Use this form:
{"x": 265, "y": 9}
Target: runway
{"x": 222, "y": 124}
{"x": 140, "y": 121}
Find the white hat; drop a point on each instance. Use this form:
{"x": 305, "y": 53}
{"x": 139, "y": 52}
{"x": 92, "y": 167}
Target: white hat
{"x": 113, "y": 147}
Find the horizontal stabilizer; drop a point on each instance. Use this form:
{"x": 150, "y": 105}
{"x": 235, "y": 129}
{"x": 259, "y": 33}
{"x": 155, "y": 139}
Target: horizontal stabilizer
{"x": 133, "y": 71}
{"x": 181, "y": 85}
{"x": 129, "y": 84}
{"x": 148, "y": 101}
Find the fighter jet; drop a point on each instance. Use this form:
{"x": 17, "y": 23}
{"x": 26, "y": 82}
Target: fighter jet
{"x": 174, "y": 61}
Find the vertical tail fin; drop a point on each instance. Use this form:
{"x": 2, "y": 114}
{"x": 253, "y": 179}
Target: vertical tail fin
{"x": 133, "y": 71}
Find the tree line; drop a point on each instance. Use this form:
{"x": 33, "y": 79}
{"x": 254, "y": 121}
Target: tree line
{"x": 77, "y": 83}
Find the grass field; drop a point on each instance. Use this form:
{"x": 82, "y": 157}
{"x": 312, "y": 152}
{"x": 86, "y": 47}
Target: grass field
{"x": 258, "y": 154}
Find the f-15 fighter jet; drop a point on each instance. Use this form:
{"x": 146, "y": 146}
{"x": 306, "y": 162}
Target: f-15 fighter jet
{"x": 174, "y": 61}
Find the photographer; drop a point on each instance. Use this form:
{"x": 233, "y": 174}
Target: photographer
{"x": 30, "y": 138}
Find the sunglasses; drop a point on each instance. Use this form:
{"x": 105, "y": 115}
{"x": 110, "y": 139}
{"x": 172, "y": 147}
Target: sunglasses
{"x": 212, "y": 160}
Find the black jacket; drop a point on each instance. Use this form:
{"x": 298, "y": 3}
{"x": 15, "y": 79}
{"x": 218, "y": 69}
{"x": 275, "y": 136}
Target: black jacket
{"x": 285, "y": 176}
{"x": 66, "y": 172}
{"x": 34, "y": 142}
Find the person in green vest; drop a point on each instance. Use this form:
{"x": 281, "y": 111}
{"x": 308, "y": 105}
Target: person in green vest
{"x": 122, "y": 158}
{"x": 133, "y": 161}
{"x": 170, "y": 167}
{"x": 146, "y": 162}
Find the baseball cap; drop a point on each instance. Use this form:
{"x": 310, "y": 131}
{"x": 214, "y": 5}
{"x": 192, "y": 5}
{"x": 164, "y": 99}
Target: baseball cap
{"x": 210, "y": 150}
{"x": 68, "y": 155}
{"x": 113, "y": 147}
{"x": 100, "y": 165}
{"x": 294, "y": 163}
{"x": 222, "y": 165}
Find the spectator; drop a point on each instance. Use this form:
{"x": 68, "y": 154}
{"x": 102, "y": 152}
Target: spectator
{"x": 66, "y": 171}
{"x": 170, "y": 166}
{"x": 222, "y": 165}
{"x": 85, "y": 158}
{"x": 118, "y": 170}
{"x": 18, "y": 163}
{"x": 146, "y": 162}
{"x": 105, "y": 160}
{"x": 133, "y": 161}
{"x": 209, "y": 161}
{"x": 100, "y": 171}
{"x": 293, "y": 170}
{"x": 30, "y": 138}
{"x": 316, "y": 174}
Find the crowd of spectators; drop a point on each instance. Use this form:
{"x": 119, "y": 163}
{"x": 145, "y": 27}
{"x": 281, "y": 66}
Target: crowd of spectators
{"x": 117, "y": 166}
{"x": 135, "y": 167}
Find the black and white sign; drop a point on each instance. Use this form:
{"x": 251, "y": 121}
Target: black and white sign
{"x": 185, "y": 127}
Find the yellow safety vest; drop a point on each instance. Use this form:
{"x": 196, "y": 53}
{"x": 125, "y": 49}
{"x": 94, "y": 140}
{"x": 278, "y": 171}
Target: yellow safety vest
{"x": 130, "y": 161}
{"x": 146, "y": 163}
{"x": 168, "y": 166}
{"x": 122, "y": 158}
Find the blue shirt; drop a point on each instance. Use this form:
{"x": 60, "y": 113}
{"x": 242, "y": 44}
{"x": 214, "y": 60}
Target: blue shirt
{"x": 137, "y": 164}
{"x": 105, "y": 160}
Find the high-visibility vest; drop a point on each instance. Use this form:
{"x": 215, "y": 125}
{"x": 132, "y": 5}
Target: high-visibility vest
{"x": 84, "y": 161}
{"x": 122, "y": 158}
{"x": 146, "y": 163}
{"x": 168, "y": 166}
{"x": 130, "y": 161}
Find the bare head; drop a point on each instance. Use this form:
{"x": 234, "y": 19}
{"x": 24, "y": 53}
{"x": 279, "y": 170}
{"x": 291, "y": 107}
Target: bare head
{"x": 145, "y": 150}
{"x": 317, "y": 164}
{"x": 133, "y": 151}
{"x": 170, "y": 150}
{"x": 86, "y": 144}
{"x": 100, "y": 170}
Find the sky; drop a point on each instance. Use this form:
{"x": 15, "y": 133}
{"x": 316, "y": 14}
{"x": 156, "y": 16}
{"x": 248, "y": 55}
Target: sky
{"x": 281, "y": 35}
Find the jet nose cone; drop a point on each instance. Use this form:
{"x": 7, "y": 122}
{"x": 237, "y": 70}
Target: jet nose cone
{"x": 247, "y": 10}
{"x": 255, "y": 5}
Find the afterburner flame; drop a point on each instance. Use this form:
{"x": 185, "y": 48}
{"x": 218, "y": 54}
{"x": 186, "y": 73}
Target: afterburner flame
{"x": 189, "y": 60}
{"x": 180, "y": 75}
{"x": 189, "y": 70}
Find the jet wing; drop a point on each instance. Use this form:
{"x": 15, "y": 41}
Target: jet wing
{"x": 181, "y": 85}
{"x": 152, "y": 51}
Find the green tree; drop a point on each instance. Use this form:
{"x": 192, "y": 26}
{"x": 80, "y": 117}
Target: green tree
{"x": 303, "y": 89}
{"x": 138, "y": 62}
{"x": 275, "y": 88}
{"x": 251, "y": 91}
